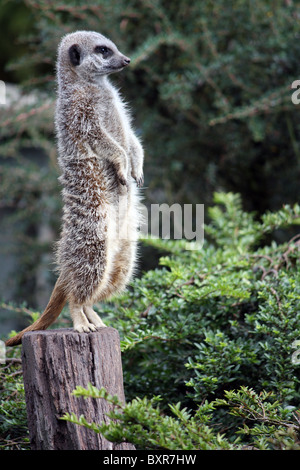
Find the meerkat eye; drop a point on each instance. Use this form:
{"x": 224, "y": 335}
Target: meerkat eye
{"x": 105, "y": 51}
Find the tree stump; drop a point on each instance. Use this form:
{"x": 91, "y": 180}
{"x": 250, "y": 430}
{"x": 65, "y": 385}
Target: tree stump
{"x": 54, "y": 363}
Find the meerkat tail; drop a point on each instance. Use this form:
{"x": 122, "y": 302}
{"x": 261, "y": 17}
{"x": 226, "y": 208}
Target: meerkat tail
{"x": 52, "y": 311}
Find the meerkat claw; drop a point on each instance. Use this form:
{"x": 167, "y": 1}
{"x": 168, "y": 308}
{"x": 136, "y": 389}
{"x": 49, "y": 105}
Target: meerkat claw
{"x": 85, "y": 328}
{"x": 140, "y": 182}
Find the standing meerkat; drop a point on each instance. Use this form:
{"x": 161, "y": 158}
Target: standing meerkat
{"x": 101, "y": 160}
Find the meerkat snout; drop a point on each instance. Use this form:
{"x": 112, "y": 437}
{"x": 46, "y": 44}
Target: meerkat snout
{"x": 126, "y": 61}
{"x": 119, "y": 61}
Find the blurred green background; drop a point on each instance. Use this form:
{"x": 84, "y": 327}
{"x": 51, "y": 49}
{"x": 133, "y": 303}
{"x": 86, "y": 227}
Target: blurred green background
{"x": 210, "y": 90}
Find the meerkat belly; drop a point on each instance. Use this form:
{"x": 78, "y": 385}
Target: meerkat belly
{"x": 90, "y": 237}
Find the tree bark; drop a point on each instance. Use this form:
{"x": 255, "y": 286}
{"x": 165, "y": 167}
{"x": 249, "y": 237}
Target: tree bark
{"x": 54, "y": 363}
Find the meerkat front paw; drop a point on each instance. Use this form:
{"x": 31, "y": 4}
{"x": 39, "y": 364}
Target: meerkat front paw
{"x": 139, "y": 178}
{"x": 140, "y": 181}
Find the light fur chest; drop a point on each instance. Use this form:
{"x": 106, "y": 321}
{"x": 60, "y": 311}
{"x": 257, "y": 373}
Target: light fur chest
{"x": 114, "y": 118}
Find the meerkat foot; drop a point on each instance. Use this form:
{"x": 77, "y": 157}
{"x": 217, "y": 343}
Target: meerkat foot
{"x": 80, "y": 321}
{"x": 93, "y": 317}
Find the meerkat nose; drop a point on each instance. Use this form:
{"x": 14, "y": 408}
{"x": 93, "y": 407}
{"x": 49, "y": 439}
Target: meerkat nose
{"x": 126, "y": 61}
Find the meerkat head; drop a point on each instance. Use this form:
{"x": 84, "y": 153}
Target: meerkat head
{"x": 89, "y": 55}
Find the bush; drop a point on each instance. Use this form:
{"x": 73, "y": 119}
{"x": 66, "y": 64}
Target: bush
{"x": 142, "y": 423}
{"x": 13, "y": 422}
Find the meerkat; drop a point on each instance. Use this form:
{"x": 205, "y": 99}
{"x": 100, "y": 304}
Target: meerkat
{"x": 101, "y": 162}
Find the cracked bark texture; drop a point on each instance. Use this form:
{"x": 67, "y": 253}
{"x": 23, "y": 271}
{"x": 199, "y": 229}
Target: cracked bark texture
{"x": 54, "y": 363}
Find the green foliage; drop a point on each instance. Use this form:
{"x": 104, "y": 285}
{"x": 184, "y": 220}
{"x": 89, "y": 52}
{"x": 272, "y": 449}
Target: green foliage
{"x": 142, "y": 422}
{"x": 275, "y": 427}
{"x": 219, "y": 322}
{"x": 13, "y": 420}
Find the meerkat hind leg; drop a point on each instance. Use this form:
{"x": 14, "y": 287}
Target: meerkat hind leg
{"x": 80, "y": 321}
{"x": 93, "y": 317}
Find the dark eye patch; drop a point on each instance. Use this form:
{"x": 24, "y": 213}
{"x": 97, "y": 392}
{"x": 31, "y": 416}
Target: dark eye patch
{"x": 105, "y": 51}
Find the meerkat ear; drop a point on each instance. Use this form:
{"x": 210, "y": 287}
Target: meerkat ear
{"x": 74, "y": 54}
